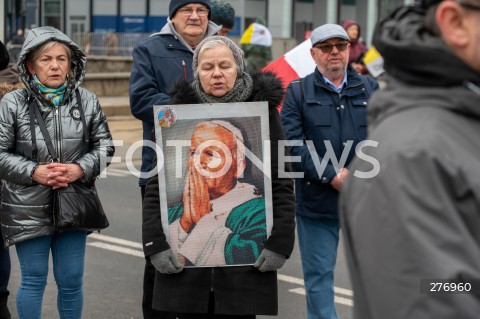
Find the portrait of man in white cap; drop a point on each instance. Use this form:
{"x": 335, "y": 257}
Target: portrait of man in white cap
{"x": 220, "y": 218}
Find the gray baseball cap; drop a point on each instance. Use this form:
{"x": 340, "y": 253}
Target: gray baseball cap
{"x": 328, "y": 31}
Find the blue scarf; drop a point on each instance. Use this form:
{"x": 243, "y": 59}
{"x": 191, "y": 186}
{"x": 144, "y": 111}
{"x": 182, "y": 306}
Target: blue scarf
{"x": 55, "y": 96}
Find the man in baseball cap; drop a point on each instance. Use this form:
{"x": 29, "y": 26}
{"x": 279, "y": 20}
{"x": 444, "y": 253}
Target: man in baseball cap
{"x": 328, "y": 31}
{"x": 329, "y": 105}
{"x": 161, "y": 60}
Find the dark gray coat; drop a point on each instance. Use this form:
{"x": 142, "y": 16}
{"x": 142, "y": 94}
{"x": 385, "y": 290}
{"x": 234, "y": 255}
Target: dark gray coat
{"x": 27, "y": 206}
{"x": 419, "y": 218}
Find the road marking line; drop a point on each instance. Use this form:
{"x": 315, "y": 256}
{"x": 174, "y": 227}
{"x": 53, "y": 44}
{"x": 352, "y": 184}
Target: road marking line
{"x": 344, "y": 301}
{"x": 139, "y": 253}
{"x": 343, "y": 291}
{"x": 340, "y": 300}
{"x": 115, "y": 174}
{"x": 117, "y": 249}
{"x": 118, "y": 172}
{"x": 299, "y": 281}
{"x": 115, "y": 240}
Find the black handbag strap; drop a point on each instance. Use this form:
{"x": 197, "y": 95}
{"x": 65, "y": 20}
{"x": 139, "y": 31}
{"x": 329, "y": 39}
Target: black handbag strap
{"x": 31, "y": 105}
{"x": 35, "y": 113}
{"x": 46, "y": 135}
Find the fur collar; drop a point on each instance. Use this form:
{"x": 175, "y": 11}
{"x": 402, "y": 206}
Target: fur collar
{"x": 7, "y": 87}
{"x": 266, "y": 87}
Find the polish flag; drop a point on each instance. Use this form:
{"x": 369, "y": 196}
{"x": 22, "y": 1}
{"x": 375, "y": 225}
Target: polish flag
{"x": 296, "y": 63}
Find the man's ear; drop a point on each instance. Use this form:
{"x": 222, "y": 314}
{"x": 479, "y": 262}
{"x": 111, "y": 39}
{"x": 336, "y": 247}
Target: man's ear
{"x": 312, "y": 52}
{"x": 450, "y": 18}
{"x": 241, "y": 165}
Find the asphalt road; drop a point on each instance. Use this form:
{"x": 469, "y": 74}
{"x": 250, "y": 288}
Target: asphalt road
{"x": 114, "y": 264}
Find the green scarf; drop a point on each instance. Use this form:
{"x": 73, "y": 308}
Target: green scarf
{"x": 240, "y": 93}
{"x": 55, "y": 96}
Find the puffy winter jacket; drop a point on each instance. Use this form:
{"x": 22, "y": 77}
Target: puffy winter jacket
{"x": 27, "y": 206}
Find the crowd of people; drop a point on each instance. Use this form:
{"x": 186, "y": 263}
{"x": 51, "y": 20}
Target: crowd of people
{"x": 396, "y": 169}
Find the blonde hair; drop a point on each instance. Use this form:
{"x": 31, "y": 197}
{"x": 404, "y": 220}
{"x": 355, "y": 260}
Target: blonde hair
{"x": 35, "y": 54}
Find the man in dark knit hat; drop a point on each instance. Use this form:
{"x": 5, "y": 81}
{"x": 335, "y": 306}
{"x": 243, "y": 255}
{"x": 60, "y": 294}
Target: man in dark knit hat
{"x": 158, "y": 62}
{"x": 223, "y": 14}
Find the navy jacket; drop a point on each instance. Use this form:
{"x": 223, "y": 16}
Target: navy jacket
{"x": 158, "y": 62}
{"x": 322, "y": 117}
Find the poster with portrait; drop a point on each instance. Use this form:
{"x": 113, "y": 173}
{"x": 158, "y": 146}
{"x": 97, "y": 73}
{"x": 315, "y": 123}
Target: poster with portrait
{"x": 214, "y": 169}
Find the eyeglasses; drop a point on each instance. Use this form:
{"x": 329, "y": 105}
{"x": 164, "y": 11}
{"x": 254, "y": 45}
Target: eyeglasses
{"x": 472, "y": 6}
{"x": 201, "y": 12}
{"x": 327, "y": 48}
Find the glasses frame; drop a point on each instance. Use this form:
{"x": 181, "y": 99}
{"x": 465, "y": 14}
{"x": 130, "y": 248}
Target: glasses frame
{"x": 328, "y": 48}
{"x": 469, "y": 5}
{"x": 186, "y": 12}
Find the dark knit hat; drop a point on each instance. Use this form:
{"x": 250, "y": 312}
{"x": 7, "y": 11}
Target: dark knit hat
{"x": 223, "y": 13}
{"x": 177, "y": 4}
{"x": 426, "y": 3}
{"x": 4, "y": 57}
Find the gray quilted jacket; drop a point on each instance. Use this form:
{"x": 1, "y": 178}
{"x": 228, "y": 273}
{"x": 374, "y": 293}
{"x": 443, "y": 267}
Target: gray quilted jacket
{"x": 26, "y": 207}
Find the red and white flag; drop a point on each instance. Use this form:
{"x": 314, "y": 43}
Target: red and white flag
{"x": 296, "y": 63}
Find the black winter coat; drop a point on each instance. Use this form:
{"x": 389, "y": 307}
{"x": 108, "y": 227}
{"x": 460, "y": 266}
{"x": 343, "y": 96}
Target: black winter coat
{"x": 238, "y": 290}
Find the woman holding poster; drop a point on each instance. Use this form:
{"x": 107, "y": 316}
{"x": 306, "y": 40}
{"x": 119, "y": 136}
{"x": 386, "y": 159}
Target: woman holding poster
{"x": 233, "y": 291}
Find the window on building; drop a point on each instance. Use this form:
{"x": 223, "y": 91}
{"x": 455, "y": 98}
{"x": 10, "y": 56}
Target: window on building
{"x": 51, "y": 13}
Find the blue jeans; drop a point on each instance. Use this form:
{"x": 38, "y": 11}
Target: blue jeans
{"x": 68, "y": 253}
{"x": 318, "y": 240}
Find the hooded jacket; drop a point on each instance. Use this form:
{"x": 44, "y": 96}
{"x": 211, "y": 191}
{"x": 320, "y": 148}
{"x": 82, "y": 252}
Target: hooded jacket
{"x": 357, "y": 48}
{"x": 239, "y": 290}
{"x": 158, "y": 62}
{"x": 27, "y": 206}
{"x": 418, "y": 217}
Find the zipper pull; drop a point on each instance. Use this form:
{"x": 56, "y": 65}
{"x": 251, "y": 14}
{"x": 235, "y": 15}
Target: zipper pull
{"x": 185, "y": 70}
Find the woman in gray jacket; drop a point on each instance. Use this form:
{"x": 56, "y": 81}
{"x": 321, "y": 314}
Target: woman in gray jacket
{"x": 51, "y": 67}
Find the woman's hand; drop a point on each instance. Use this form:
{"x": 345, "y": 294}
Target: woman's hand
{"x": 57, "y": 175}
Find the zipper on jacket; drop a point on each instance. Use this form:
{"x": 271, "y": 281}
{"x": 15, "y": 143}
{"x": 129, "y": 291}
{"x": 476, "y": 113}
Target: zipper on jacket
{"x": 57, "y": 134}
{"x": 185, "y": 70}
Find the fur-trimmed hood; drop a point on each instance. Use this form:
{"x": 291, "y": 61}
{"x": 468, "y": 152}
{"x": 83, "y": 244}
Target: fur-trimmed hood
{"x": 266, "y": 87}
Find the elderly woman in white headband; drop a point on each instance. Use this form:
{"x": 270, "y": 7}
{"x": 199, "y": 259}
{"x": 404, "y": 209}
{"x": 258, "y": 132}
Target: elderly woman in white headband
{"x": 240, "y": 292}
